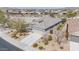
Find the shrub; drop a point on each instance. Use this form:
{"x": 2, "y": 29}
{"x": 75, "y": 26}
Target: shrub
{"x": 46, "y": 43}
{"x": 71, "y": 14}
{"x": 41, "y": 48}
{"x": 35, "y": 45}
{"x": 61, "y": 47}
{"x": 49, "y": 38}
{"x": 52, "y": 15}
{"x": 64, "y": 20}
{"x": 51, "y": 31}
{"x": 60, "y": 26}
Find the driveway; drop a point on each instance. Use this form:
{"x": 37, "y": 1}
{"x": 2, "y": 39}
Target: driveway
{"x": 74, "y": 37}
{"x": 74, "y": 41}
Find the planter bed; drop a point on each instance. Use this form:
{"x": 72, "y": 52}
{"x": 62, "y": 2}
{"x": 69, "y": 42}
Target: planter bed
{"x": 51, "y": 45}
{"x": 14, "y": 35}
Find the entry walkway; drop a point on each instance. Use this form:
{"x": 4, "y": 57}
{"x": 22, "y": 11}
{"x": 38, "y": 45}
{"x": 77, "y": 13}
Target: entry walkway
{"x": 32, "y": 38}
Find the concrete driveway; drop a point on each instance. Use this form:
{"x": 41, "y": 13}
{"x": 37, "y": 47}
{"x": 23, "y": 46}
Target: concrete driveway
{"x": 74, "y": 41}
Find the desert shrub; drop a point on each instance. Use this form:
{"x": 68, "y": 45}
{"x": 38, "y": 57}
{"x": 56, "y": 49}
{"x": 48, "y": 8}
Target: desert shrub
{"x": 51, "y": 31}
{"x": 52, "y": 15}
{"x": 60, "y": 26}
{"x": 61, "y": 47}
{"x": 41, "y": 48}
{"x": 49, "y": 38}
{"x": 71, "y": 14}
{"x": 35, "y": 45}
{"x": 46, "y": 42}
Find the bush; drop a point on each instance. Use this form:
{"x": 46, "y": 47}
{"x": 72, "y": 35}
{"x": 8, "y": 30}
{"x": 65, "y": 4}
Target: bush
{"x": 61, "y": 47}
{"x": 41, "y": 48}
{"x": 60, "y": 26}
{"x": 51, "y": 31}
{"x": 64, "y": 20}
{"x": 35, "y": 45}
{"x": 71, "y": 14}
{"x": 46, "y": 13}
{"x": 49, "y": 38}
{"x": 46, "y": 43}
{"x": 52, "y": 15}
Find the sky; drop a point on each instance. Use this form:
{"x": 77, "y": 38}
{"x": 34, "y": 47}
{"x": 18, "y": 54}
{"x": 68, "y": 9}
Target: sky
{"x": 36, "y": 3}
